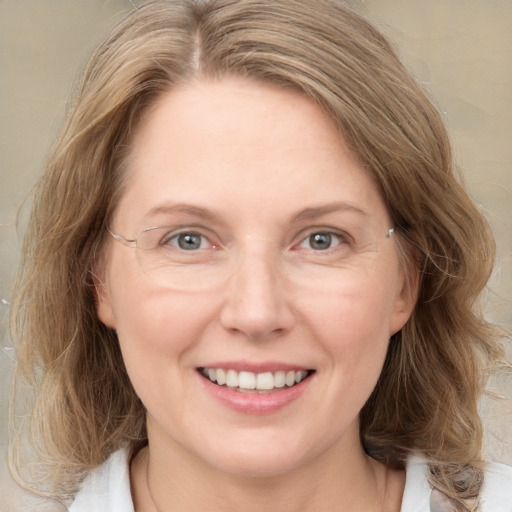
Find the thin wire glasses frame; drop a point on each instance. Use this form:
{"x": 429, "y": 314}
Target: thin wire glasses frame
{"x": 134, "y": 242}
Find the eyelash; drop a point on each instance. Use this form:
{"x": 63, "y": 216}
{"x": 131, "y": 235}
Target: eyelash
{"x": 175, "y": 236}
{"x": 330, "y": 236}
{"x": 337, "y": 237}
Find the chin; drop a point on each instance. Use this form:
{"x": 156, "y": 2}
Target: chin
{"x": 260, "y": 456}
{"x": 258, "y": 466}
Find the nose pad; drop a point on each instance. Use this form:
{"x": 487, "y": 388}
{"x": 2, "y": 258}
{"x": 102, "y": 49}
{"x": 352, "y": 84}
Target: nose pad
{"x": 256, "y": 303}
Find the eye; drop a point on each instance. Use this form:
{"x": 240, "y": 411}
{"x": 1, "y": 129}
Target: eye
{"x": 321, "y": 241}
{"x": 188, "y": 241}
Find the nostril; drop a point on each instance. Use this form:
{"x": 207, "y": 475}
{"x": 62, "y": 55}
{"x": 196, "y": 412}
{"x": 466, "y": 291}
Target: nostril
{"x": 257, "y": 319}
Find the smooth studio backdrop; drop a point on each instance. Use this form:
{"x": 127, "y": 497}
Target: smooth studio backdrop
{"x": 459, "y": 49}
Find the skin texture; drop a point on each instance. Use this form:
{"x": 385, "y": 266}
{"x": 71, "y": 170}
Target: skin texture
{"x": 270, "y": 169}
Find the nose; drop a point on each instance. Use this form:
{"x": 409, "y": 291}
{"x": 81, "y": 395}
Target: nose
{"x": 257, "y": 303}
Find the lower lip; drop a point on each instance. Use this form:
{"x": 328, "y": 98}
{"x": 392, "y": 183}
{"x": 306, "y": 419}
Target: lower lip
{"x": 255, "y": 403}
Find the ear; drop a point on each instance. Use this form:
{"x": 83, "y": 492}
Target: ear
{"x": 102, "y": 297}
{"x": 405, "y": 300}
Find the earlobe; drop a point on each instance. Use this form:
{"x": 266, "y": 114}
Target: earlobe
{"x": 102, "y": 299}
{"x": 405, "y": 300}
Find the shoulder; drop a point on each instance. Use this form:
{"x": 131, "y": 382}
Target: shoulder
{"x": 107, "y": 487}
{"x": 497, "y": 488}
{"x": 417, "y": 491}
{"x": 496, "y": 494}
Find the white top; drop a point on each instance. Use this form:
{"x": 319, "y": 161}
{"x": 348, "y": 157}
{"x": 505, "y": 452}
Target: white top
{"x": 107, "y": 488}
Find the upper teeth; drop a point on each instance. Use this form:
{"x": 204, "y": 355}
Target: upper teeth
{"x": 250, "y": 380}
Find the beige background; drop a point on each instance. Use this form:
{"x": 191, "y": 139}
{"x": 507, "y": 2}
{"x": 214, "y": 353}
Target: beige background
{"x": 460, "y": 49}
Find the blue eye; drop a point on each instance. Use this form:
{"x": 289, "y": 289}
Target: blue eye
{"x": 321, "y": 241}
{"x": 188, "y": 241}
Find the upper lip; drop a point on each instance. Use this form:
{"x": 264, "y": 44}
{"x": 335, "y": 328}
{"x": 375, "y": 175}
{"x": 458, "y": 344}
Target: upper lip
{"x": 255, "y": 367}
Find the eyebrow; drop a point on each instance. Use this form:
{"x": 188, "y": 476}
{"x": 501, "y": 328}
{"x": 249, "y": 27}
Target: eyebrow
{"x": 305, "y": 214}
{"x": 187, "y": 209}
{"x": 319, "y": 211}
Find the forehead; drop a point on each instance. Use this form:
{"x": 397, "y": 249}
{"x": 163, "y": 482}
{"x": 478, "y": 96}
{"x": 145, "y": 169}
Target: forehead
{"x": 236, "y": 143}
{"x": 252, "y": 115}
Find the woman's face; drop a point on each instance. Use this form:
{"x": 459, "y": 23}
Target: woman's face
{"x": 275, "y": 268}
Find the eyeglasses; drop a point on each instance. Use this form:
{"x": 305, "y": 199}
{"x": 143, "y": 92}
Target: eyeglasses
{"x": 187, "y": 258}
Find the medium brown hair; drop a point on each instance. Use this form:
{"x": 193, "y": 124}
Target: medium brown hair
{"x": 426, "y": 399}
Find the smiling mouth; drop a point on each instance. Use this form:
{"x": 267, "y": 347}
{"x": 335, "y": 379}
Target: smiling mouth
{"x": 249, "y": 382}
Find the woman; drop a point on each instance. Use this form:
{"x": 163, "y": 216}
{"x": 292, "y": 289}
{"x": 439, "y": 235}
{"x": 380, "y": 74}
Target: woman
{"x": 250, "y": 277}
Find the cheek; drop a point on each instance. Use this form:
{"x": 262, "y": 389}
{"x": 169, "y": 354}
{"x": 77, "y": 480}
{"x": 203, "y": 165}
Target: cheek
{"x": 157, "y": 335}
{"x": 352, "y": 324}
{"x": 350, "y": 328}
{"x": 147, "y": 318}
{"x": 158, "y": 330}
{"x": 358, "y": 309}
{"x": 358, "y": 335}
{"x": 156, "y": 324}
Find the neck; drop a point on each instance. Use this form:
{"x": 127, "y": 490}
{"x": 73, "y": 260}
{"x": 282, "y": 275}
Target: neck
{"x": 176, "y": 481}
